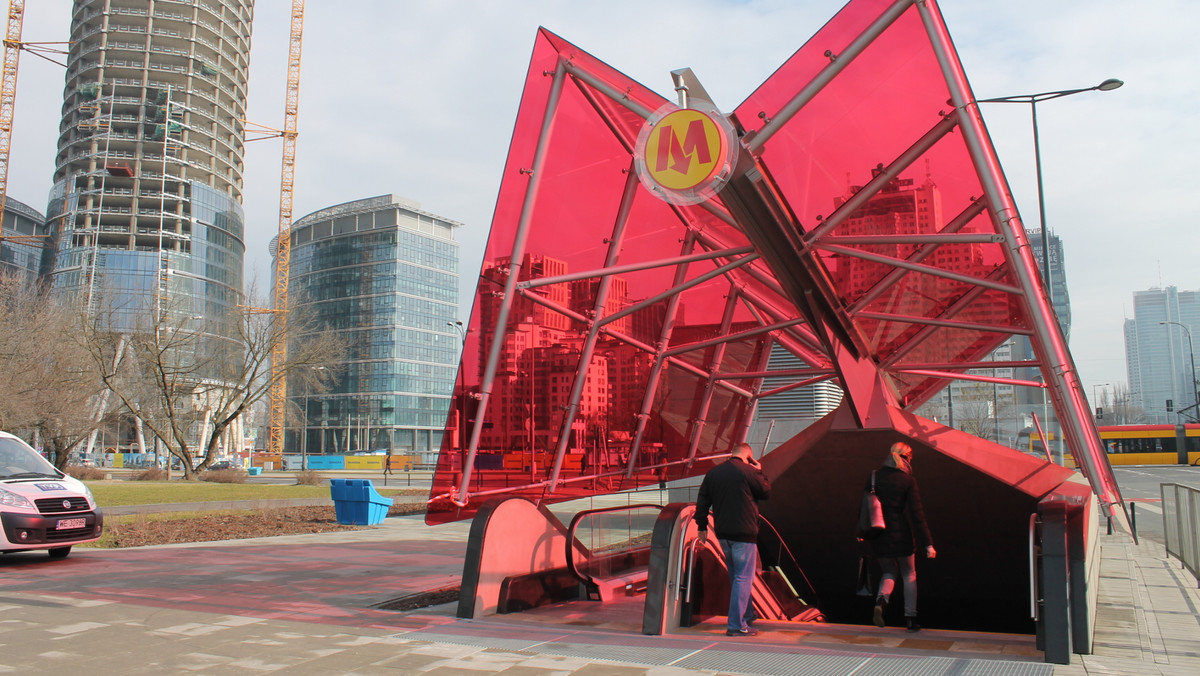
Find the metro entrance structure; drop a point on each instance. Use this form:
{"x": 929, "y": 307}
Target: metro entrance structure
{"x": 647, "y": 255}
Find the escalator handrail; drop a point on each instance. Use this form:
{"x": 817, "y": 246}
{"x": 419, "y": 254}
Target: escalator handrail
{"x": 691, "y": 565}
{"x": 718, "y": 552}
{"x": 816, "y": 600}
{"x": 572, "y": 541}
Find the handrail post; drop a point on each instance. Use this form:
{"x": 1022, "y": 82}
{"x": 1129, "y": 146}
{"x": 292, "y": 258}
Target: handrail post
{"x": 1056, "y": 615}
{"x": 1034, "y": 607}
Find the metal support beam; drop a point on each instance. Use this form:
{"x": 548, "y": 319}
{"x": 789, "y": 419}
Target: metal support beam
{"x": 917, "y": 267}
{"x": 1049, "y": 344}
{"x": 714, "y": 366}
{"x": 745, "y": 251}
{"x": 837, "y": 63}
{"x": 884, "y": 177}
{"x": 518, "y": 251}
{"x": 615, "y": 240}
{"x": 929, "y": 321}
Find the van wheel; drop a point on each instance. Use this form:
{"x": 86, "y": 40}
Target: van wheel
{"x": 60, "y": 552}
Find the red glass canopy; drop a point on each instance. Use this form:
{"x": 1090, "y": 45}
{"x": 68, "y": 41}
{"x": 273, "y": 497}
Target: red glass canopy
{"x": 618, "y": 340}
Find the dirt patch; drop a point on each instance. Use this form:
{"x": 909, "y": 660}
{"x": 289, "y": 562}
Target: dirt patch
{"x": 233, "y": 525}
{"x": 435, "y": 597}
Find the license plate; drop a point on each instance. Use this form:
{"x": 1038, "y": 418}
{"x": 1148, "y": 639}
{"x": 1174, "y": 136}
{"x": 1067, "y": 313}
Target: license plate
{"x": 68, "y": 524}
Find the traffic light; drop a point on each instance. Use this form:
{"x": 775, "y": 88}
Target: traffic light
{"x": 1099, "y": 413}
{"x": 1170, "y": 405}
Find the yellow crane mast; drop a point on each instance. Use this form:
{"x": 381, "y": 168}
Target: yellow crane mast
{"x": 8, "y": 92}
{"x": 283, "y": 247}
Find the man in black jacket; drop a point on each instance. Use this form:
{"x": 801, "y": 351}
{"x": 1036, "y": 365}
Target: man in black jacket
{"x": 731, "y": 490}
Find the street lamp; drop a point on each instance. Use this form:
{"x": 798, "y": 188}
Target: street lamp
{"x": 1192, "y": 355}
{"x": 304, "y": 420}
{"x": 1033, "y": 99}
{"x": 462, "y": 388}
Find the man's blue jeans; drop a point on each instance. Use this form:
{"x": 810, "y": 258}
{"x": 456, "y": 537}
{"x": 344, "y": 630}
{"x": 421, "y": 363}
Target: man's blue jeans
{"x": 742, "y": 559}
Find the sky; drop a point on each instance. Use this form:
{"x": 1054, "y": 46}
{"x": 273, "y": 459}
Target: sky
{"x": 418, "y": 99}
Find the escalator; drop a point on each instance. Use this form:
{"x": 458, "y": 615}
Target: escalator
{"x": 688, "y": 579}
{"x": 608, "y": 550}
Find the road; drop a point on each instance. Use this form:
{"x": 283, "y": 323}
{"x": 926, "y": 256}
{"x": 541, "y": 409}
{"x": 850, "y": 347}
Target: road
{"x": 1141, "y": 488}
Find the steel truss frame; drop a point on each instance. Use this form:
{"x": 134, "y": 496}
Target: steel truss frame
{"x": 786, "y": 261}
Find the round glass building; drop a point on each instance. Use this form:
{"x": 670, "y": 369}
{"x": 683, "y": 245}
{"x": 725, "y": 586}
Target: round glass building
{"x": 145, "y": 212}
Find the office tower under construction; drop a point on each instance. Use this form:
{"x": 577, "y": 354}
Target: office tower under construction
{"x": 145, "y": 212}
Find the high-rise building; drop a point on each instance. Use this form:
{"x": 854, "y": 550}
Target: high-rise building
{"x": 807, "y": 403}
{"x": 21, "y": 248}
{"x": 384, "y": 273}
{"x": 1059, "y": 298}
{"x": 1158, "y": 355}
{"x": 146, "y": 208}
{"x": 1028, "y": 400}
{"x": 981, "y": 408}
{"x": 779, "y": 417}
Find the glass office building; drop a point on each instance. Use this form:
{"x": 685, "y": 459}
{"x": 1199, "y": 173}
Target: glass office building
{"x": 384, "y": 274}
{"x": 24, "y": 237}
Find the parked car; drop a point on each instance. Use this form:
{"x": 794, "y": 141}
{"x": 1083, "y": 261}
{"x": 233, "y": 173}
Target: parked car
{"x": 41, "y": 507}
{"x": 224, "y": 464}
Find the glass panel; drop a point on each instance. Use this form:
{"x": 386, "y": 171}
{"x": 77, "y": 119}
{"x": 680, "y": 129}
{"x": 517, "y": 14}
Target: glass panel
{"x": 531, "y": 410}
{"x": 609, "y": 379}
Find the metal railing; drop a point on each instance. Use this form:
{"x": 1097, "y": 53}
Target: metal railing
{"x": 1181, "y": 524}
{"x": 610, "y": 542}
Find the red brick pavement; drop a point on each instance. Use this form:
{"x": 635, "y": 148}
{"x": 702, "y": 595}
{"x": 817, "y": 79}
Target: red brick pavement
{"x": 326, "y": 583}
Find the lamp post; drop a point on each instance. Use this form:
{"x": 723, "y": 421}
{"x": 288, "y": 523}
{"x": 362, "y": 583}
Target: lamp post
{"x": 1033, "y": 99}
{"x": 1192, "y": 355}
{"x": 304, "y": 426}
{"x": 462, "y": 385}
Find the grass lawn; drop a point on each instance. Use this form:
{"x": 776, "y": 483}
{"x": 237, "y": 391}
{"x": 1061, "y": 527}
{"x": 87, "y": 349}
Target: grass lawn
{"x": 121, "y": 493}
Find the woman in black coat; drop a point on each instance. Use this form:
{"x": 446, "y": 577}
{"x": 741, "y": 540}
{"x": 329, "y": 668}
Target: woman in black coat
{"x": 904, "y": 517}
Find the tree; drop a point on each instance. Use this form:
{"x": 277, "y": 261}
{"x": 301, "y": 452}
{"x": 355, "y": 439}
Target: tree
{"x": 48, "y": 386}
{"x": 1120, "y": 409}
{"x": 188, "y": 383}
{"x": 974, "y": 410}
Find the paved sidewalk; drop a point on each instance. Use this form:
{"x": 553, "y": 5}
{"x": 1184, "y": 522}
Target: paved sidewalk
{"x": 308, "y": 604}
{"x": 1149, "y": 614}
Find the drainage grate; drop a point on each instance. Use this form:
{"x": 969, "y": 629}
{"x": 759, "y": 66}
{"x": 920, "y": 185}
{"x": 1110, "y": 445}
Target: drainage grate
{"x": 998, "y": 668}
{"x": 947, "y": 666}
{"x": 613, "y": 653}
{"x": 748, "y": 661}
{"x": 782, "y": 664}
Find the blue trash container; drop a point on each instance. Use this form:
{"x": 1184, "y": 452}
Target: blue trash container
{"x": 356, "y": 502}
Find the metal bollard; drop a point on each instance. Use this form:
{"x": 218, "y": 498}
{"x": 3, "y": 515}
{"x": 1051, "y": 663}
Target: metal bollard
{"x": 1133, "y": 518}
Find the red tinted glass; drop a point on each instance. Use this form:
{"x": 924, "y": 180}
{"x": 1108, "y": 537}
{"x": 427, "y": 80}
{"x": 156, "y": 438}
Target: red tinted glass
{"x": 633, "y": 342}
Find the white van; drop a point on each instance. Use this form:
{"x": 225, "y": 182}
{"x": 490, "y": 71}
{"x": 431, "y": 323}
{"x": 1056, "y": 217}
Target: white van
{"x": 40, "y": 507}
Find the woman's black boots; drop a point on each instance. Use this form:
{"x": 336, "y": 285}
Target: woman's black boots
{"x": 880, "y": 606}
{"x": 911, "y": 623}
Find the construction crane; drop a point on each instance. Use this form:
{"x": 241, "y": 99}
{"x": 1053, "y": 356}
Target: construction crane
{"x": 8, "y": 93}
{"x": 283, "y": 246}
